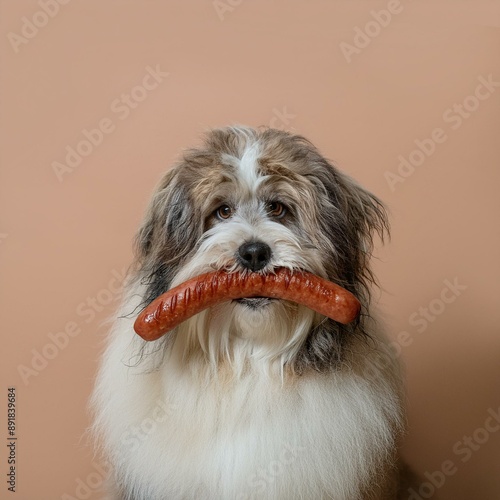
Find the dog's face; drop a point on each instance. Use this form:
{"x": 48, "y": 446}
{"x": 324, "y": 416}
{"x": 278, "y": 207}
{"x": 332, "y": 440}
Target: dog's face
{"x": 255, "y": 201}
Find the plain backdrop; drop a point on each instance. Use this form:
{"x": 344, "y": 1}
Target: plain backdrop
{"x": 411, "y": 110}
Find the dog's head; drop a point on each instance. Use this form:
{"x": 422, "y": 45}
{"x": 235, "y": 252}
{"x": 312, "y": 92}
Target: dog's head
{"x": 254, "y": 201}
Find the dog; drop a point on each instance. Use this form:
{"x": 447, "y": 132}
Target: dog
{"x": 255, "y": 398}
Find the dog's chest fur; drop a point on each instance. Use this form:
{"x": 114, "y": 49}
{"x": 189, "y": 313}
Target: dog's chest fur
{"x": 192, "y": 436}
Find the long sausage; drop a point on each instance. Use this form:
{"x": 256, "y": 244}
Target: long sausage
{"x": 199, "y": 293}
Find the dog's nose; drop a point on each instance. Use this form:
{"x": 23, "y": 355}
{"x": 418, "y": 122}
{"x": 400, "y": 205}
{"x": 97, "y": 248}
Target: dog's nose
{"x": 254, "y": 255}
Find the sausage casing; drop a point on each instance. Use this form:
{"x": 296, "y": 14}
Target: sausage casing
{"x": 204, "y": 291}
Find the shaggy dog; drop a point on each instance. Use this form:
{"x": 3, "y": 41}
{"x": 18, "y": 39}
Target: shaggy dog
{"x": 252, "y": 398}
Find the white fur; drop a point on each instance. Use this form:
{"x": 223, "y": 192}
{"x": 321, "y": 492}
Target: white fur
{"x": 248, "y": 166}
{"x": 181, "y": 433}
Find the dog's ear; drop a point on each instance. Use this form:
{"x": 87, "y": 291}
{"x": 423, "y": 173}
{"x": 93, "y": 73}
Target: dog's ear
{"x": 171, "y": 226}
{"x": 169, "y": 232}
{"x": 364, "y": 212}
{"x": 351, "y": 216}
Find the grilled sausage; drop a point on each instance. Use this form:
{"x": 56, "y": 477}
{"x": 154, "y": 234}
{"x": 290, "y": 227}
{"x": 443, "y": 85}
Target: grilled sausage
{"x": 199, "y": 293}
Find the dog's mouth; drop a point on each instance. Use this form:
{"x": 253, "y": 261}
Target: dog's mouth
{"x": 255, "y": 302}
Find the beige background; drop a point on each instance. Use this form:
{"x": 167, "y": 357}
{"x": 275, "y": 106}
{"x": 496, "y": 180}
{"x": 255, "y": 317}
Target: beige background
{"x": 256, "y": 63}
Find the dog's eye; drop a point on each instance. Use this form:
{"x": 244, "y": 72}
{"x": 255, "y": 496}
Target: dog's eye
{"x": 276, "y": 209}
{"x": 224, "y": 212}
